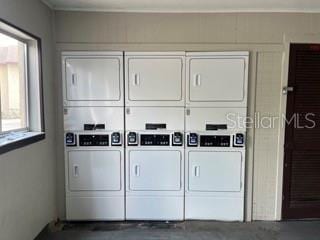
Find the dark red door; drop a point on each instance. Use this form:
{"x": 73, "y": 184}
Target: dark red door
{"x": 301, "y": 189}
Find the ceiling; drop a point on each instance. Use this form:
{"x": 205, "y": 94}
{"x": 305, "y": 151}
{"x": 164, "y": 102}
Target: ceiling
{"x": 187, "y": 5}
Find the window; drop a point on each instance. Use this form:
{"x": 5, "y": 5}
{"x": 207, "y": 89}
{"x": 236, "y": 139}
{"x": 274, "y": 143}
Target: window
{"x": 21, "y": 115}
{"x": 13, "y": 84}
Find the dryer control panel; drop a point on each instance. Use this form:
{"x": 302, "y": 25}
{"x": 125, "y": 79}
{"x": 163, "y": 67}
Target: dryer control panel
{"x": 154, "y": 139}
{"x": 94, "y": 140}
{"x": 206, "y": 140}
{"x": 214, "y": 141}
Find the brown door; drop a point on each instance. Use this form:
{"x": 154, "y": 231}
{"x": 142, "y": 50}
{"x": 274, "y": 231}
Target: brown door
{"x": 301, "y": 189}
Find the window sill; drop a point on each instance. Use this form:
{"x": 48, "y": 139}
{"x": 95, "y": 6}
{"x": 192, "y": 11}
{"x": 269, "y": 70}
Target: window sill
{"x": 13, "y": 141}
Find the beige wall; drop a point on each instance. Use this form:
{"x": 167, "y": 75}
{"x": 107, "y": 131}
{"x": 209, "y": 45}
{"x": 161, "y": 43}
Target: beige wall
{"x": 95, "y": 27}
{"x": 27, "y": 175}
{"x": 260, "y": 33}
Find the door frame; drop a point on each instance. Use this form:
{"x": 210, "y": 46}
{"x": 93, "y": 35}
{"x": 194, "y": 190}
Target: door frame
{"x": 287, "y": 40}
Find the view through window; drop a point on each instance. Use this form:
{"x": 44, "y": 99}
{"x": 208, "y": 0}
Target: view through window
{"x": 13, "y": 84}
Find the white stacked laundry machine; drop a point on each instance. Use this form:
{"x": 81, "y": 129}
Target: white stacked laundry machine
{"x": 155, "y": 135}
{"x": 216, "y": 105}
{"x": 94, "y": 135}
{"x": 154, "y": 84}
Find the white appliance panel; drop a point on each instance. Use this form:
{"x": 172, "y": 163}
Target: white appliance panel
{"x": 76, "y": 117}
{"x": 215, "y": 171}
{"x": 93, "y": 79}
{"x": 155, "y": 170}
{"x": 221, "y": 208}
{"x": 217, "y": 79}
{"x": 198, "y": 118}
{"x": 94, "y": 170}
{"x": 155, "y": 208}
{"x": 154, "y": 79}
{"x": 95, "y": 208}
{"x": 137, "y": 117}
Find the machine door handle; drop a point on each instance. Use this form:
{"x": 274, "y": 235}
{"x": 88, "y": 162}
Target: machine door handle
{"x": 196, "y": 171}
{"x": 197, "y": 80}
{"x": 75, "y": 170}
{"x": 136, "y": 79}
{"x": 137, "y": 170}
{"x": 74, "y": 79}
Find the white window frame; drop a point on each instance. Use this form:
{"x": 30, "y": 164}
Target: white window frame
{"x": 26, "y": 79}
{"x": 34, "y": 130}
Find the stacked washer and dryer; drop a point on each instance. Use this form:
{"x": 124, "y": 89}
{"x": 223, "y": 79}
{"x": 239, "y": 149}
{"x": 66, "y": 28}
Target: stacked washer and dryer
{"x": 94, "y": 133}
{"x": 154, "y": 84}
{"x": 155, "y": 138}
{"x": 216, "y": 109}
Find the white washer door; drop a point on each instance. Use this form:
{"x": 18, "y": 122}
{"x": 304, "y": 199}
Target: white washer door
{"x": 215, "y": 171}
{"x": 94, "y": 170}
{"x": 155, "y": 170}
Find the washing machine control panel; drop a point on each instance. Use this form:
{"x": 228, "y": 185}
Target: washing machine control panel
{"x": 192, "y": 140}
{"x": 88, "y": 140}
{"x": 155, "y": 139}
{"x": 214, "y": 141}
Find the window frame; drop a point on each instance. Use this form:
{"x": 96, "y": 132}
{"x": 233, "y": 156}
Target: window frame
{"x": 26, "y": 79}
{"x": 30, "y": 136}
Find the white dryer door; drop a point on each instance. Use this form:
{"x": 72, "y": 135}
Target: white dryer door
{"x": 95, "y": 79}
{"x": 215, "y": 171}
{"x": 94, "y": 170}
{"x": 155, "y": 170}
{"x": 217, "y": 79}
{"x": 155, "y": 79}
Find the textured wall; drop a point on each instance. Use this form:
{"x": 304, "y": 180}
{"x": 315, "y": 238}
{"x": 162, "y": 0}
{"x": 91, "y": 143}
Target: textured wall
{"x": 266, "y": 139}
{"x": 260, "y": 33}
{"x": 27, "y": 175}
{"x": 96, "y": 27}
